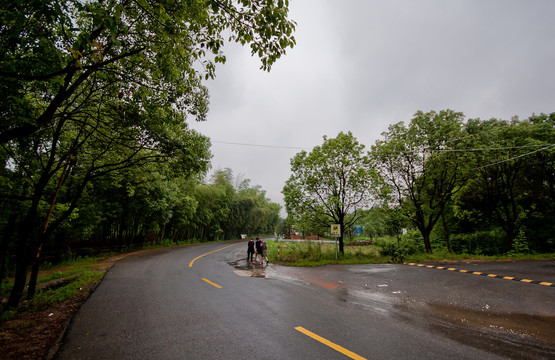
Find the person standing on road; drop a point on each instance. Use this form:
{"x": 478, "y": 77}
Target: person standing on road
{"x": 250, "y": 250}
{"x": 258, "y": 251}
{"x": 264, "y": 252}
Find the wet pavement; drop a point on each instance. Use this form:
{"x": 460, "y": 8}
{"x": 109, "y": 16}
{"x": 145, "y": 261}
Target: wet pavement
{"x": 456, "y": 303}
{"x": 181, "y": 303}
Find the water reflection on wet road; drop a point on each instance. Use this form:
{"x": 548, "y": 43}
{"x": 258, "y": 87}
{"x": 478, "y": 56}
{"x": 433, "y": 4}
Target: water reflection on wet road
{"x": 518, "y": 319}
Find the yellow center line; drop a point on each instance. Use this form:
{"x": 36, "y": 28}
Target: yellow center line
{"x": 211, "y": 252}
{"x": 526, "y": 280}
{"x": 508, "y": 278}
{"x": 463, "y": 271}
{"x": 492, "y": 275}
{"x": 477, "y": 273}
{"x": 546, "y": 283}
{"x": 336, "y": 347}
{"x": 211, "y": 283}
{"x": 451, "y": 269}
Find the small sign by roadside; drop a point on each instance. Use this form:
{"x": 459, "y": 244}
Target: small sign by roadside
{"x": 335, "y": 230}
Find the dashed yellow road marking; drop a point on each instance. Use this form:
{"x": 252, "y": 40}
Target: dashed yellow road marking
{"x": 334, "y": 346}
{"x": 477, "y": 273}
{"x": 211, "y": 283}
{"x": 451, "y": 269}
{"x": 492, "y": 275}
{"x": 526, "y": 280}
{"x": 545, "y": 283}
{"x": 463, "y": 271}
{"x": 508, "y": 278}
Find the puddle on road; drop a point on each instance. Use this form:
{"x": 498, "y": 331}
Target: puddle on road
{"x": 374, "y": 269}
{"x": 244, "y": 268}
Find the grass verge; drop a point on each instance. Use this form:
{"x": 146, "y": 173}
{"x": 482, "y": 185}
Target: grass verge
{"x": 57, "y": 284}
{"x": 308, "y": 253}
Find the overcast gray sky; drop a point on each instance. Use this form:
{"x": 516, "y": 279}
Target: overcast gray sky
{"x": 362, "y": 65}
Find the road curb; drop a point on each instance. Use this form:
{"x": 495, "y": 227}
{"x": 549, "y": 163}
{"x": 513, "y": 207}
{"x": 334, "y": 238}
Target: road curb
{"x": 527, "y": 281}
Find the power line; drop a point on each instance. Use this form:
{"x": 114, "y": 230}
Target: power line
{"x": 261, "y": 145}
{"x": 445, "y": 150}
{"x": 516, "y": 157}
{"x": 491, "y": 149}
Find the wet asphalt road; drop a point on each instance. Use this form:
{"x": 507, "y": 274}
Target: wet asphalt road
{"x": 174, "y": 304}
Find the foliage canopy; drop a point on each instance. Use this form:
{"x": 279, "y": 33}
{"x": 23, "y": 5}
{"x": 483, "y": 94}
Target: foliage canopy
{"x": 330, "y": 184}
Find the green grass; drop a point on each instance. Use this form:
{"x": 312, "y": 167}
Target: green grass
{"x": 445, "y": 256}
{"x": 309, "y": 253}
{"x": 77, "y": 276}
{"x": 73, "y": 287}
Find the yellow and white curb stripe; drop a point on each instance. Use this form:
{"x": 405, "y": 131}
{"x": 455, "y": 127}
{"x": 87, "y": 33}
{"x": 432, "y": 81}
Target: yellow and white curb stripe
{"x": 528, "y": 281}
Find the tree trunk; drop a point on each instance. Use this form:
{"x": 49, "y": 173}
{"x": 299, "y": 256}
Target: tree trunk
{"x": 342, "y": 230}
{"x": 26, "y": 236}
{"x": 341, "y": 248}
{"x": 162, "y": 233}
{"x": 20, "y": 267}
{"x": 446, "y": 231}
{"x": 36, "y": 262}
{"x": 34, "y": 273}
{"x": 4, "y": 243}
{"x": 427, "y": 245}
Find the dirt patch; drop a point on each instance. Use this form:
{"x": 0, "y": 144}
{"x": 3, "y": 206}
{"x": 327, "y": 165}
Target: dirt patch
{"x": 37, "y": 335}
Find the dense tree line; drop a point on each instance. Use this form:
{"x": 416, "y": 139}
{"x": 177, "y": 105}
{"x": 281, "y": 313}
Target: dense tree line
{"x": 132, "y": 206}
{"x": 475, "y": 186}
{"x": 486, "y": 182}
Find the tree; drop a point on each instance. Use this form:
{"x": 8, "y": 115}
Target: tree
{"x": 418, "y": 167}
{"x": 330, "y": 184}
{"x": 87, "y": 145}
{"x": 512, "y": 182}
{"x": 247, "y": 208}
{"x": 52, "y": 53}
{"x": 109, "y": 84}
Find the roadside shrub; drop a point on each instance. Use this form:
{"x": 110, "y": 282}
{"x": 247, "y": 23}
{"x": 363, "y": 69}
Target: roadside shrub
{"x": 520, "y": 244}
{"x": 409, "y": 244}
{"x": 489, "y": 242}
{"x": 397, "y": 253}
